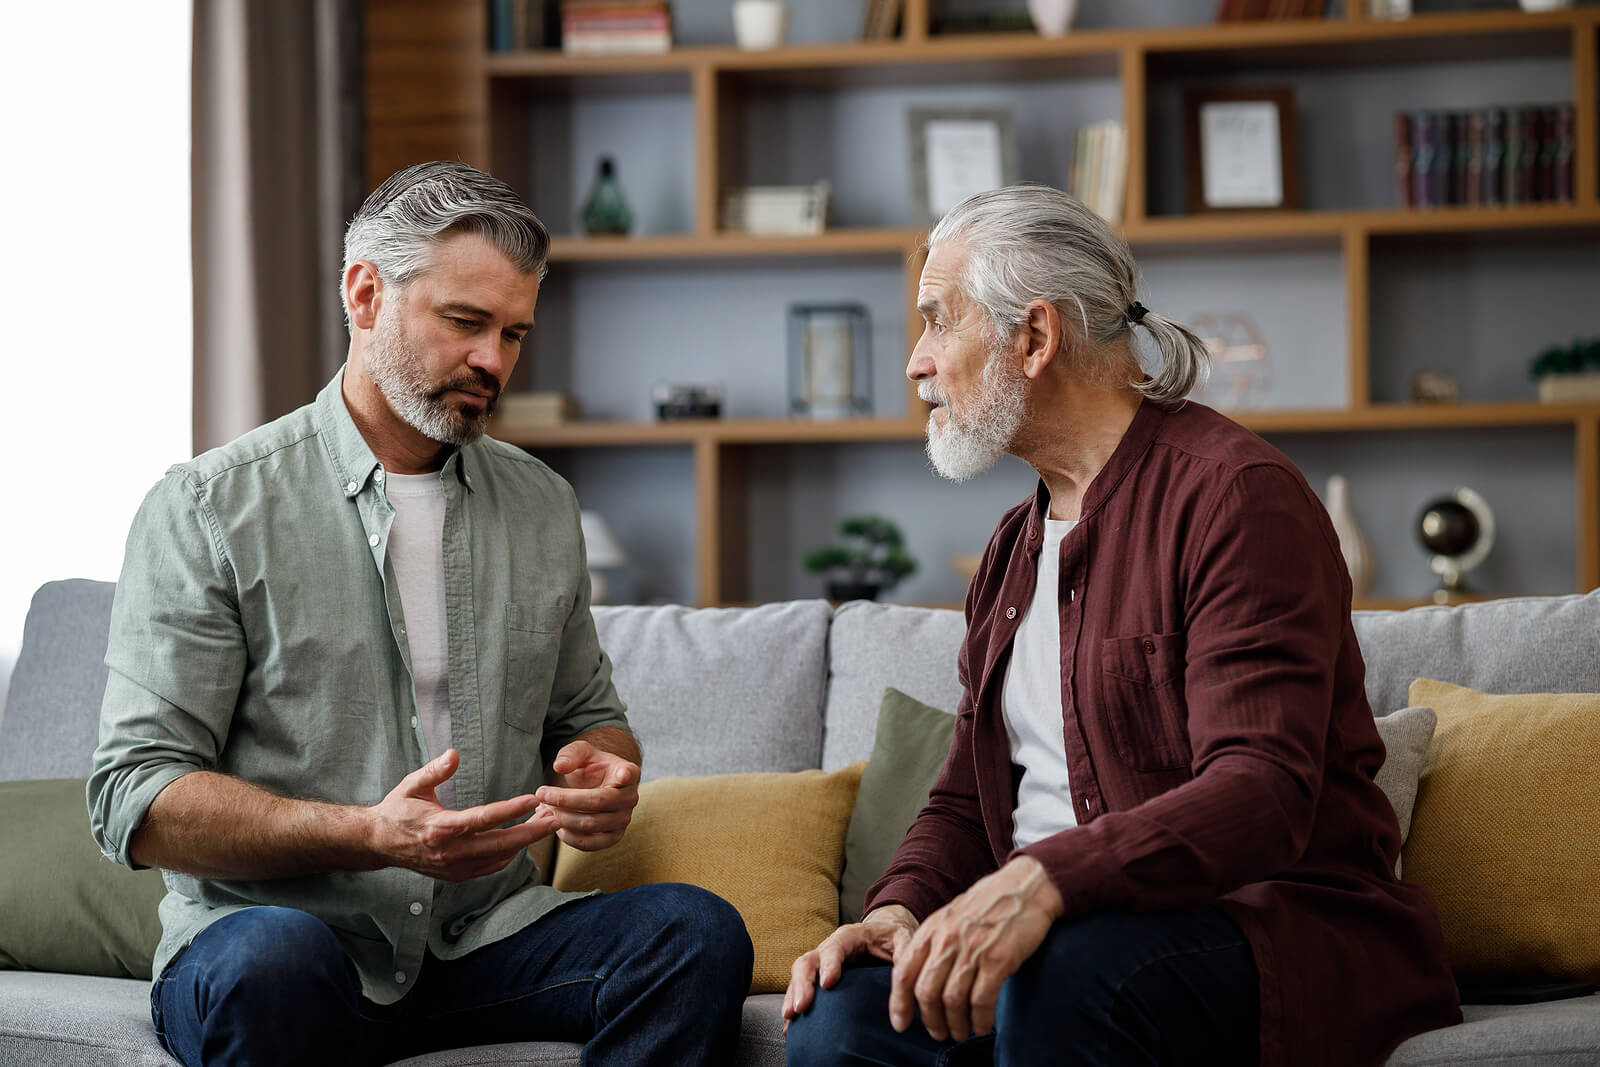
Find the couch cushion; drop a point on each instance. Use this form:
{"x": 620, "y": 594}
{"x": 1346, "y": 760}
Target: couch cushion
{"x": 772, "y": 845}
{"x": 52, "y": 718}
{"x": 1504, "y": 834}
{"x": 874, "y": 646}
{"x": 1515, "y": 645}
{"x": 719, "y": 690}
{"x": 69, "y": 1019}
{"x": 1561, "y": 1033}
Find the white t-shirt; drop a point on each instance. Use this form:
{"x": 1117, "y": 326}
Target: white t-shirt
{"x": 1031, "y": 702}
{"x": 416, "y": 549}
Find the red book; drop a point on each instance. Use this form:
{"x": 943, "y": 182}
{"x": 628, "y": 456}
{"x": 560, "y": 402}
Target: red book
{"x": 1402, "y": 159}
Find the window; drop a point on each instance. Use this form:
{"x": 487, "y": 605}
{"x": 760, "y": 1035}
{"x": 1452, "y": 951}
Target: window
{"x": 96, "y": 353}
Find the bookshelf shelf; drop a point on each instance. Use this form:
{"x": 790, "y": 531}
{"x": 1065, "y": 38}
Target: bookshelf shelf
{"x": 434, "y": 92}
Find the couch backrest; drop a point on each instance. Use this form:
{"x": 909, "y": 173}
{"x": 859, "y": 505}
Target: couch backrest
{"x": 709, "y": 691}
{"x": 877, "y": 645}
{"x": 718, "y": 690}
{"x": 1515, "y": 645}
{"x": 52, "y": 718}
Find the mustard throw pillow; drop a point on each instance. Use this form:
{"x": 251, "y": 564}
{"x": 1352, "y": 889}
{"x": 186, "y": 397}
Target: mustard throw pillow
{"x": 772, "y": 845}
{"x": 1504, "y": 831}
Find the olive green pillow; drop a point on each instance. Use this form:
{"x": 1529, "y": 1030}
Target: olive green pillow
{"x": 63, "y": 906}
{"x": 907, "y": 752}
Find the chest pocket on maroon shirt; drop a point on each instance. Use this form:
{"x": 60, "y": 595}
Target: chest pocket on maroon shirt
{"x": 1142, "y": 699}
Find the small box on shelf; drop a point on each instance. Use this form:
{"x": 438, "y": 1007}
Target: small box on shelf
{"x": 537, "y": 409}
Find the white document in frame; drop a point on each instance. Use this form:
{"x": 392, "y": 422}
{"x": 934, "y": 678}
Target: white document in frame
{"x": 1243, "y": 162}
{"x": 963, "y": 159}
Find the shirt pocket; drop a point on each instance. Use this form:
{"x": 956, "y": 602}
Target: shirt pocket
{"x": 1142, "y": 697}
{"x": 533, "y": 646}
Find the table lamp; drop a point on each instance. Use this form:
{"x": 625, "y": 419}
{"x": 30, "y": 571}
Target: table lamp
{"x": 604, "y": 552}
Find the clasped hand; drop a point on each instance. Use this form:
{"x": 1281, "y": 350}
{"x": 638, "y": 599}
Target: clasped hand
{"x": 953, "y": 965}
{"x": 590, "y": 811}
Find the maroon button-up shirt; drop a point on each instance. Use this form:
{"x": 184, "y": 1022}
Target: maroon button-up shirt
{"x": 1218, "y": 737}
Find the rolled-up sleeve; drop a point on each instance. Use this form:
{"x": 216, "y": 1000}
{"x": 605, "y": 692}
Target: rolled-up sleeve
{"x": 177, "y": 657}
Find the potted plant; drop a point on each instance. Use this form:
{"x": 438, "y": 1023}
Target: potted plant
{"x": 871, "y": 559}
{"x": 1570, "y": 374}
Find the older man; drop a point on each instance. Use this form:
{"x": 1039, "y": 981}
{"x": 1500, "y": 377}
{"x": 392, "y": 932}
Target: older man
{"x": 1156, "y": 838}
{"x": 344, "y": 649}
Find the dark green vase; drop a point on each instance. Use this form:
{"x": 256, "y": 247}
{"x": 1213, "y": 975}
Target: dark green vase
{"x": 606, "y": 212}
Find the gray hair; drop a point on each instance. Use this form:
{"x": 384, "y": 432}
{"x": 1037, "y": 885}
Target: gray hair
{"x": 400, "y": 225}
{"x": 1031, "y": 242}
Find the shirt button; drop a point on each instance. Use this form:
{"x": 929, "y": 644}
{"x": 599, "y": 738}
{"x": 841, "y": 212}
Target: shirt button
{"x": 1032, "y": 533}
{"x": 1149, "y": 648}
{"x": 377, "y": 475}
{"x": 350, "y": 487}
{"x": 414, "y": 726}
{"x": 416, "y": 907}
{"x": 400, "y": 977}
{"x": 373, "y": 540}
{"x": 1011, "y": 613}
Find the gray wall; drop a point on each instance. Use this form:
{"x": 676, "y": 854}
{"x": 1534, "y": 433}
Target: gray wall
{"x": 1476, "y": 308}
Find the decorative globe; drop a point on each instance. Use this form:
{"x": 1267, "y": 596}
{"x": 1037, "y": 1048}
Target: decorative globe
{"x": 1448, "y": 528}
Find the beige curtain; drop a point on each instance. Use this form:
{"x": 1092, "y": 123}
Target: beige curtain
{"x": 276, "y": 173}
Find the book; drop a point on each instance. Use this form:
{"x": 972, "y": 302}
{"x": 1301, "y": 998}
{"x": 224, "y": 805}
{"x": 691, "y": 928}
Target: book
{"x": 1424, "y": 161}
{"x": 1561, "y": 181}
{"x": 1494, "y": 150}
{"x": 1528, "y": 164}
{"x": 1449, "y": 187}
{"x": 542, "y": 409}
{"x": 1511, "y": 192}
{"x": 1402, "y": 160}
{"x": 882, "y": 20}
{"x": 1473, "y": 180}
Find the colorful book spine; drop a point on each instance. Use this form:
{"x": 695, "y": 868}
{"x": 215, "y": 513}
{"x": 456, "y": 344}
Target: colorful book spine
{"x": 1528, "y": 164}
{"x": 1565, "y": 146}
{"x": 1511, "y": 162}
{"x": 1425, "y": 160}
{"x": 1403, "y": 152}
{"x": 1494, "y": 150}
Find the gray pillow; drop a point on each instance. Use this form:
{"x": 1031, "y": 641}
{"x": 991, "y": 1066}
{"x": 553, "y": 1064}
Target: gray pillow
{"x": 1406, "y": 734}
{"x": 908, "y": 749}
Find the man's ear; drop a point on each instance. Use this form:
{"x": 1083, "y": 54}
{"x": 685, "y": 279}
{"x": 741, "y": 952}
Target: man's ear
{"x": 363, "y": 293}
{"x": 1042, "y": 333}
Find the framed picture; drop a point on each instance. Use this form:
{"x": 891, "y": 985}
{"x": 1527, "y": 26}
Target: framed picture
{"x": 1241, "y": 150}
{"x": 830, "y": 360}
{"x": 956, "y": 153}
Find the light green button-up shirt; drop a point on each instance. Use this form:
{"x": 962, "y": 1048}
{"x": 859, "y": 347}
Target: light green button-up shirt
{"x": 257, "y": 631}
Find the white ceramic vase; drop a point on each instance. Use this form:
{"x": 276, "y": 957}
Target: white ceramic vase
{"x": 760, "y": 24}
{"x": 1352, "y": 542}
{"x": 1052, "y": 18}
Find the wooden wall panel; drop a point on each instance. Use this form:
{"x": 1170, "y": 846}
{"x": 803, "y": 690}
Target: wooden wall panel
{"x": 426, "y": 95}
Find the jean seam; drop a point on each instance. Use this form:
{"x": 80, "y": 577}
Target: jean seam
{"x": 520, "y": 996}
{"x": 1165, "y": 957}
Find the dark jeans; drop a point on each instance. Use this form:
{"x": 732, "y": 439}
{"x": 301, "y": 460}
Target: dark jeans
{"x": 1154, "y": 988}
{"x": 654, "y": 975}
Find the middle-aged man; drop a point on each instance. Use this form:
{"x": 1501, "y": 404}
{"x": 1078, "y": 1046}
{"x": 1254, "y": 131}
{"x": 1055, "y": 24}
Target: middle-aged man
{"x": 1156, "y": 838}
{"x": 344, "y": 649}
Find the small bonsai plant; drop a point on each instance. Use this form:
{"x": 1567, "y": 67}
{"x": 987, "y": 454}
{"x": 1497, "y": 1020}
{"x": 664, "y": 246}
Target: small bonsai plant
{"x": 1576, "y": 358}
{"x": 871, "y": 559}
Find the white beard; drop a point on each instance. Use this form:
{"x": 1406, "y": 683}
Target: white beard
{"x": 396, "y": 368}
{"x": 970, "y": 443}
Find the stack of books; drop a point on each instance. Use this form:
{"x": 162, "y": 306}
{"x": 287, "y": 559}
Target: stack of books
{"x": 1493, "y": 157}
{"x": 515, "y": 25}
{"x": 1100, "y": 168}
{"x": 615, "y": 27}
{"x": 1247, "y": 10}
{"x": 536, "y": 409}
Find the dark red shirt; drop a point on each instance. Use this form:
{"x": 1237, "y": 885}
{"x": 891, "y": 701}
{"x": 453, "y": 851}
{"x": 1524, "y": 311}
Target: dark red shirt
{"x": 1218, "y": 737}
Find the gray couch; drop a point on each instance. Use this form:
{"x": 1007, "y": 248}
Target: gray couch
{"x": 782, "y": 687}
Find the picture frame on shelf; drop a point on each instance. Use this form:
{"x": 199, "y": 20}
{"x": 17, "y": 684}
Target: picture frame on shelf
{"x": 830, "y": 360}
{"x": 957, "y": 152}
{"x": 1241, "y": 149}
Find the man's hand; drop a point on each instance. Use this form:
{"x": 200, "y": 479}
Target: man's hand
{"x": 959, "y": 958}
{"x": 594, "y": 803}
{"x": 882, "y": 934}
{"x": 411, "y": 829}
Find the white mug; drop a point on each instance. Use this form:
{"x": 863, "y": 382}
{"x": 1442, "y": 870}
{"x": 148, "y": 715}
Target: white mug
{"x": 760, "y": 23}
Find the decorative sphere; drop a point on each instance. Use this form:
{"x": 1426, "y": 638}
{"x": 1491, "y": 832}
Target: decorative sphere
{"x": 1448, "y": 528}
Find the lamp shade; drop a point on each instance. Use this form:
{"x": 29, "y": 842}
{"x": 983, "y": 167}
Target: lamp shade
{"x": 601, "y": 544}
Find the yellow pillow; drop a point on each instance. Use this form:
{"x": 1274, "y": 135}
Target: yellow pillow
{"x": 1506, "y": 830}
{"x": 772, "y": 845}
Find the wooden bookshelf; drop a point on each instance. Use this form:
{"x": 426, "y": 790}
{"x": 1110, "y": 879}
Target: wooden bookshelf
{"x": 434, "y": 92}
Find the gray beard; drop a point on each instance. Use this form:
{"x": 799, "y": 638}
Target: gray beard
{"x": 971, "y": 443}
{"x": 396, "y": 368}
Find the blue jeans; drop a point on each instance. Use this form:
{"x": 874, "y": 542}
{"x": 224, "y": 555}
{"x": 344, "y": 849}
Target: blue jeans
{"x": 652, "y": 975}
{"x": 1123, "y": 989}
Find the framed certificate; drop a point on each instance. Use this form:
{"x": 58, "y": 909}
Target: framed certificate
{"x": 956, "y": 153}
{"x": 1241, "y": 150}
